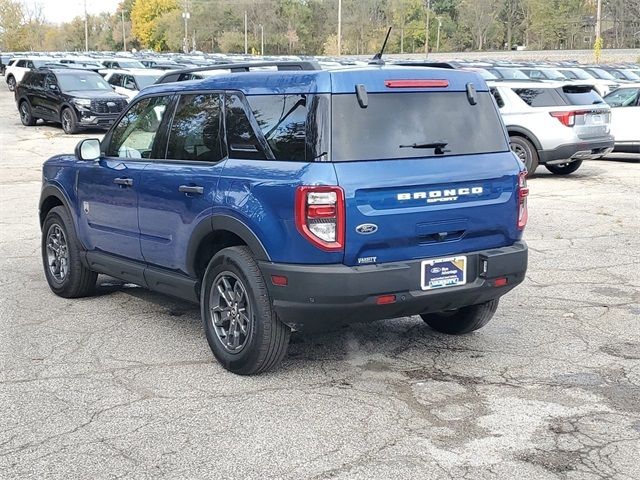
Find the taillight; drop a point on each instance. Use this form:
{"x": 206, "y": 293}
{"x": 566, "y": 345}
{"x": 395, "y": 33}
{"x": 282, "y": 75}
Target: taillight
{"x": 568, "y": 119}
{"x": 523, "y": 193}
{"x": 320, "y": 216}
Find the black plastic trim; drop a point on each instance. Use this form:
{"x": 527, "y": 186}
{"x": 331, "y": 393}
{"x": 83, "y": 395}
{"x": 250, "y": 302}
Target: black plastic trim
{"x": 567, "y": 151}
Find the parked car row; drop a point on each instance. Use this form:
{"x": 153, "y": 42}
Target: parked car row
{"x": 556, "y": 115}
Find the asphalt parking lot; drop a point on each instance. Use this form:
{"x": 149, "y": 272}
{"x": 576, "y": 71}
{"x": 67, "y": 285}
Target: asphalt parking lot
{"x": 123, "y": 385}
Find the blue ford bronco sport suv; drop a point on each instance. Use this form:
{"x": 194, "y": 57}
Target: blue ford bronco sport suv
{"x": 297, "y": 199}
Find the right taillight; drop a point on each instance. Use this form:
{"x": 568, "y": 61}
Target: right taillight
{"x": 523, "y": 193}
{"x": 320, "y": 216}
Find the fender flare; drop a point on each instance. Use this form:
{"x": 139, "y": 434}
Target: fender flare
{"x": 527, "y": 133}
{"x": 54, "y": 191}
{"x": 226, "y": 223}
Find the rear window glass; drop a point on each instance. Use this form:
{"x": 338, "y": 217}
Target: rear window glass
{"x": 282, "y": 119}
{"x": 580, "y": 95}
{"x": 393, "y": 122}
{"x": 538, "y": 97}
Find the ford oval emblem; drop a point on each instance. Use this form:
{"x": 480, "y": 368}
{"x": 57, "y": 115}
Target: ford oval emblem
{"x": 367, "y": 228}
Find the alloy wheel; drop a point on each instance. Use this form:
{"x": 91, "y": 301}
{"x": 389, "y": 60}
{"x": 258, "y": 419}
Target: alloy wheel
{"x": 57, "y": 253}
{"x": 24, "y": 113}
{"x": 230, "y": 311}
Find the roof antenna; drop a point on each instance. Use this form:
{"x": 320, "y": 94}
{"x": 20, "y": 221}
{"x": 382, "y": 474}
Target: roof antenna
{"x": 377, "y": 58}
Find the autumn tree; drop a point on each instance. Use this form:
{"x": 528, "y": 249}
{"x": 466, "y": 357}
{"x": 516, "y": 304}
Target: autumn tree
{"x": 144, "y": 14}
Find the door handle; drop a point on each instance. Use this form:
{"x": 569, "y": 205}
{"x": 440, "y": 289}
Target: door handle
{"x": 124, "y": 182}
{"x": 191, "y": 189}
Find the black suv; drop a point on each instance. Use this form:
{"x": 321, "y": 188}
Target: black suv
{"x": 76, "y": 98}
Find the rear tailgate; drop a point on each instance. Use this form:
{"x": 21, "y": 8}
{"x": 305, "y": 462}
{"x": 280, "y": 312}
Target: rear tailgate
{"x": 423, "y": 208}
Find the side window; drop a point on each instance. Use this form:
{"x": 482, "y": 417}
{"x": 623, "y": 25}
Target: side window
{"x": 134, "y": 135}
{"x": 50, "y": 79}
{"x": 129, "y": 83}
{"x": 195, "y": 131}
{"x": 497, "y": 97}
{"x": 241, "y": 138}
{"x": 30, "y": 64}
{"x": 537, "y": 97}
{"x": 535, "y": 74}
{"x": 38, "y": 80}
{"x": 115, "y": 80}
{"x": 283, "y": 121}
{"x": 21, "y": 63}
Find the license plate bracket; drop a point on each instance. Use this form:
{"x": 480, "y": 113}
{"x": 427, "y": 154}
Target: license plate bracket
{"x": 444, "y": 272}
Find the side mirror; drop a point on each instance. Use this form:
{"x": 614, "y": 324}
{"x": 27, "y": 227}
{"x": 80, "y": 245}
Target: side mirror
{"x": 88, "y": 150}
{"x": 53, "y": 87}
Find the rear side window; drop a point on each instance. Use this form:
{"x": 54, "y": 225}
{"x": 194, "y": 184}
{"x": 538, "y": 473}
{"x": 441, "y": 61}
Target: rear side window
{"x": 283, "y": 120}
{"x": 497, "y": 97}
{"x": 580, "y": 95}
{"x": 21, "y": 63}
{"x": 115, "y": 80}
{"x": 195, "y": 131}
{"x": 538, "y": 97}
{"x": 393, "y": 122}
{"x": 241, "y": 138}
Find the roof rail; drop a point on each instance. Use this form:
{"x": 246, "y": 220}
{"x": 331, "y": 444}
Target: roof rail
{"x": 245, "y": 66}
{"x": 408, "y": 63}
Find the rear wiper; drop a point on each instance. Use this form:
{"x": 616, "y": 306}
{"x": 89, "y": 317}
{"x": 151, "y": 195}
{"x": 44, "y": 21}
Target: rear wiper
{"x": 437, "y": 146}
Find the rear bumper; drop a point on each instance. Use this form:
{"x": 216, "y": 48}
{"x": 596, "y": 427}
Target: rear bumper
{"x": 578, "y": 151}
{"x": 318, "y": 297}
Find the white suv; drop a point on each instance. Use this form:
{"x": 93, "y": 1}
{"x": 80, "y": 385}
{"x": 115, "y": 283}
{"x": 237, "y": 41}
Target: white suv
{"x": 554, "y": 124}
{"x": 21, "y": 65}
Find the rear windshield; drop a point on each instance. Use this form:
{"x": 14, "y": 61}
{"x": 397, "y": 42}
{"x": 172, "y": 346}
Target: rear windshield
{"x": 580, "y": 95}
{"x": 393, "y": 122}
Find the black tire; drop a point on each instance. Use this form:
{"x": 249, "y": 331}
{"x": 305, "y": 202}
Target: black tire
{"x": 464, "y": 320}
{"x": 564, "y": 168}
{"x": 69, "y": 121}
{"x": 11, "y": 83}
{"x": 78, "y": 280}
{"x": 265, "y": 339}
{"x": 526, "y": 152}
{"x": 26, "y": 115}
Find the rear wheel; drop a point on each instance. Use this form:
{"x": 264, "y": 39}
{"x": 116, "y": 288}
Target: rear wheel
{"x": 11, "y": 83}
{"x": 63, "y": 268}
{"x": 463, "y": 320}
{"x": 69, "y": 121}
{"x": 564, "y": 168}
{"x": 243, "y": 331}
{"x": 26, "y": 116}
{"x": 525, "y": 151}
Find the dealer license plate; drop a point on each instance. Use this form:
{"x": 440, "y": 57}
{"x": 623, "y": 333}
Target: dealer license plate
{"x": 444, "y": 272}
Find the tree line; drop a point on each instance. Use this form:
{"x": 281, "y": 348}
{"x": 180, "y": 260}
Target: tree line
{"x": 310, "y": 26}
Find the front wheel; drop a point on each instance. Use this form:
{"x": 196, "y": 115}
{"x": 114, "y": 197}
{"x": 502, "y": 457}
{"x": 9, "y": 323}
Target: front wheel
{"x": 243, "y": 331}
{"x": 66, "y": 275}
{"x": 69, "y": 121}
{"x": 11, "y": 83}
{"x": 564, "y": 168}
{"x": 463, "y": 320}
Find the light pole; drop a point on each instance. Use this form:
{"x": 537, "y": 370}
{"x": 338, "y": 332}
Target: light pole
{"x": 339, "y": 27}
{"x": 86, "y": 28}
{"x": 262, "y": 40}
{"x": 124, "y": 34}
{"x": 599, "y": 20}
{"x": 426, "y": 40}
{"x": 246, "y": 44}
{"x": 438, "y": 38}
{"x": 186, "y": 15}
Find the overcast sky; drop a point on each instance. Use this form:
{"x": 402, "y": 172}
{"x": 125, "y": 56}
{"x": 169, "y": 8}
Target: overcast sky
{"x": 58, "y": 11}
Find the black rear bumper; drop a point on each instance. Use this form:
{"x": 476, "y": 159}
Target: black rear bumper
{"x": 323, "y": 296}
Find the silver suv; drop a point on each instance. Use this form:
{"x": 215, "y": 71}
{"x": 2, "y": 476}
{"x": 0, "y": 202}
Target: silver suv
{"x": 554, "y": 124}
